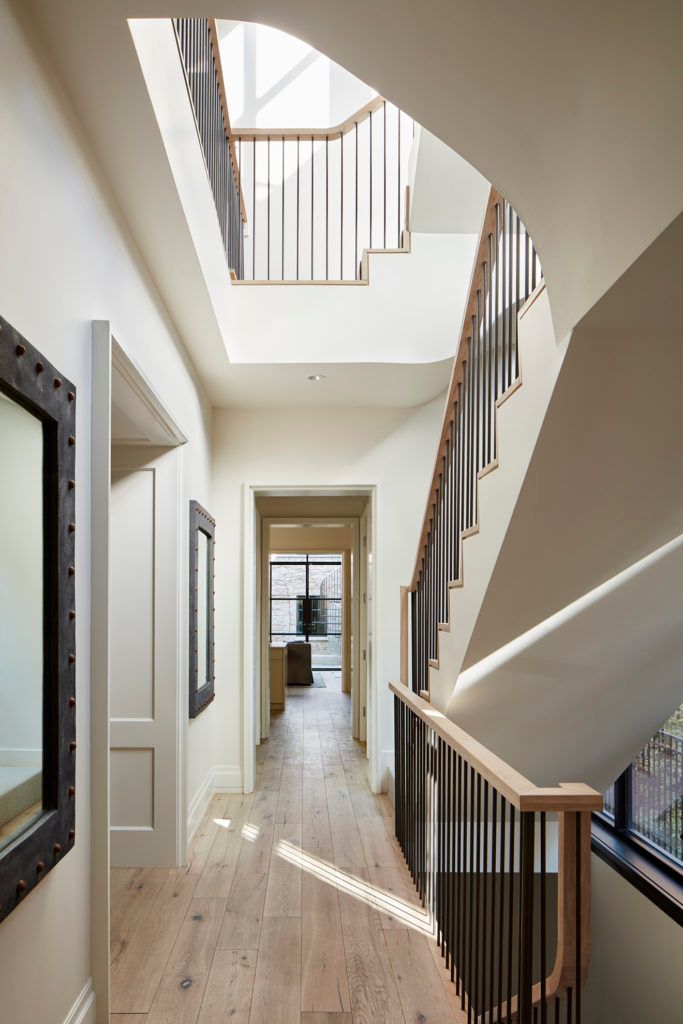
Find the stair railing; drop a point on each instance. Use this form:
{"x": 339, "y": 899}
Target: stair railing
{"x": 485, "y": 372}
{"x": 317, "y": 200}
{"x": 199, "y": 50}
{"x": 502, "y": 865}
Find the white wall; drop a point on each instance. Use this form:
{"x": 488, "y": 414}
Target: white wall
{"x": 636, "y": 969}
{"x": 392, "y": 449}
{"x": 21, "y": 586}
{"x": 274, "y": 80}
{"x": 67, "y": 258}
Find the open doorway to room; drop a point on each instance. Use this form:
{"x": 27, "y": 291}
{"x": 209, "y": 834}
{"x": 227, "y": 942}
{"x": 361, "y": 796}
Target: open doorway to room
{"x": 309, "y": 606}
{"x": 310, "y": 628}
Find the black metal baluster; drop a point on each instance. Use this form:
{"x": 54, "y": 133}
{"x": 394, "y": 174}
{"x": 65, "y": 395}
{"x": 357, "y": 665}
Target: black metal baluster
{"x": 578, "y": 951}
{"x": 384, "y": 147}
{"x": 481, "y": 953}
{"x": 511, "y": 912}
{"x": 471, "y": 909}
{"x": 298, "y": 200}
{"x": 543, "y": 933}
{"x": 398, "y": 186}
{"x": 517, "y": 283}
{"x": 356, "y": 254}
{"x": 526, "y": 896}
{"x": 492, "y": 914}
{"x": 370, "y": 192}
{"x": 341, "y": 217}
{"x": 501, "y": 907}
{"x": 268, "y": 210}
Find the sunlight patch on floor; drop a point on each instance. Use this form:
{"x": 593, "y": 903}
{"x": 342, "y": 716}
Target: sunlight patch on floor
{"x": 387, "y": 903}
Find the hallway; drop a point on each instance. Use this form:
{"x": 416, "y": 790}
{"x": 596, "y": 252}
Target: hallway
{"x": 296, "y": 906}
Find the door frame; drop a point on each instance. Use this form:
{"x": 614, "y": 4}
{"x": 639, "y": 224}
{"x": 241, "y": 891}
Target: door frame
{"x": 109, "y": 361}
{"x": 351, "y": 595}
{"x": 252, "y": 600}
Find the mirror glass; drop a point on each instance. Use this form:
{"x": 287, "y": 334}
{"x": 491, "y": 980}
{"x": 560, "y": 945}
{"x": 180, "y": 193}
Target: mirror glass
{"x": 21, "y": 619}
{"x": 203, "y": 661}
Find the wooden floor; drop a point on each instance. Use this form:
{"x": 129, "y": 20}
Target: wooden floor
{"x": 296, "y": 906}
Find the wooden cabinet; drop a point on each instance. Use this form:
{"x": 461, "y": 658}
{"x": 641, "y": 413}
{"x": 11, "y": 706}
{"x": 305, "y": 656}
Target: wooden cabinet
{"x": 278, "y": 675}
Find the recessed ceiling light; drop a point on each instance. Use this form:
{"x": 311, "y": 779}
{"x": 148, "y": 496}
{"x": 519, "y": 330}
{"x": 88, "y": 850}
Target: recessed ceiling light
{"x": 316, "y": 376}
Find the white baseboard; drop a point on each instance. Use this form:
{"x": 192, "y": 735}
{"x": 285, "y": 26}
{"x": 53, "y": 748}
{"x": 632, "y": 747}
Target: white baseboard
{"x": 227, "y": 778}
{"x": 386, "y": 772}
{"x": 221, "y": 779}
{"x": 83, "y": 1010}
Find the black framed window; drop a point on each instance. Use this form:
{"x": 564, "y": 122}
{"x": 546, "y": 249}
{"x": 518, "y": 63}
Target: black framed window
{"x": 306, "y": 605}
{"x": 640, "y": 831}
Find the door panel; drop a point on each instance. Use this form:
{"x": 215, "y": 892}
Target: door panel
{"x": 144, "y": 687}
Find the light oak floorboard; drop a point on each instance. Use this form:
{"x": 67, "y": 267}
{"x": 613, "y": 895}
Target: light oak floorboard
{"x": 133, "y": 893}
{"x": 420, "y": 990}
{"x": 277, "y": 986}
{"x": 179, "y": 996}
{"x": 228, "y": 992}
{"x": 136, "y": 976}
{"x": 308, "y": 912}
{"x": 326, "y": 1018}
{"x": 324, "y": 983}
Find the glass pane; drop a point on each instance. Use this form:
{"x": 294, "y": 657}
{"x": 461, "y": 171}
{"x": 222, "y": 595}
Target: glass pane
{"x": 657, "y": 788}
{"x": 326, "y": 616}
{"x": 287, "y": 638}
{"x": 288, "y": 558}
{"x": 203, "y": 661}
{"x": 21, "y": 619}
{"x": 326, "y": 652}
{"x": 325, "y": 580}
{"x": 287, "y": 580}
{"x": 609, "y": 801}
{"x": 285, "y": 616}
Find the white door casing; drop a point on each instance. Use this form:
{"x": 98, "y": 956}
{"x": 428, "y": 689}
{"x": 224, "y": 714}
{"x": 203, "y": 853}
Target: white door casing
{"x": 145, "y": 678}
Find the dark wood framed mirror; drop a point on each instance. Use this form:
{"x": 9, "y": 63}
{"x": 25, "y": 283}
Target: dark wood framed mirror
{"x": 37, "y": 617}
{"x": 202, "y": 535}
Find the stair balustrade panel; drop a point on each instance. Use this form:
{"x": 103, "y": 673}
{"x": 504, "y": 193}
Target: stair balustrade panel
{"x": 502, "y": 867}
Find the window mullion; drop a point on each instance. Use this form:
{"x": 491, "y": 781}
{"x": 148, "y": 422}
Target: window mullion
{"x": 622, "y": 801}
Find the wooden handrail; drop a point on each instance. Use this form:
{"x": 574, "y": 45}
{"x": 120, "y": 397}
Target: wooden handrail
{"x": 515, "y": 787}
{"x": 457, "y": 376}
{"x": 215, "y": 46}
{"x": 315, "y": 134}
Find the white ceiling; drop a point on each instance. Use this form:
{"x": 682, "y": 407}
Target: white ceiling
{"x": 583, "y": 146}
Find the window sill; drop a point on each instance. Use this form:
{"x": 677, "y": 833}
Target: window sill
{"x": 651, "y": 875}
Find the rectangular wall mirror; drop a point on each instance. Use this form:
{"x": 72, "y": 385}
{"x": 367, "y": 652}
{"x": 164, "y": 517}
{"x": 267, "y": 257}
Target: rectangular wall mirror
{"x": 21, "y": 619}
{"x": 202, "y": 532}
{"x": 37, "y": 617}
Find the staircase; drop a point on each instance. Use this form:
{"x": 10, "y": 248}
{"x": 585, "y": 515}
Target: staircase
{"x": 501, "y": 863}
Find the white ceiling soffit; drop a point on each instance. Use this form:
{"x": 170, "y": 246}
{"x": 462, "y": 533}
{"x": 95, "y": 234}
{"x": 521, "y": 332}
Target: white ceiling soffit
{"x": 408, "y": 313}
{"x": 387, "y": 385}
{"x": 581, "y": 145}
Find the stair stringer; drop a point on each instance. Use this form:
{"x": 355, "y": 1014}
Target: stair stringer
{"x": 519, "y": 420}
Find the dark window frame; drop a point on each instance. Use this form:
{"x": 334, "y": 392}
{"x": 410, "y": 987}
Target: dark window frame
{"x": 656, "y": 875}
{"x": 309, "y": 560}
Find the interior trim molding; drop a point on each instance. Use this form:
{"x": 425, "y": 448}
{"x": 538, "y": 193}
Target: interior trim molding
{"x": 83, "y": 1010}
{"x": 224, "y": 778}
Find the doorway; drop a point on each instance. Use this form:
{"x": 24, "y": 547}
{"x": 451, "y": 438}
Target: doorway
{"x": 310, "y": 524}
{"x": 307, "y": 606}
{"x": 139, "y": 528}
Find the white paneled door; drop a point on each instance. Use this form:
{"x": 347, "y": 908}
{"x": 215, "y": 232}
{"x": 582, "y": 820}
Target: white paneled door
{"x": 145, "y": 684}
